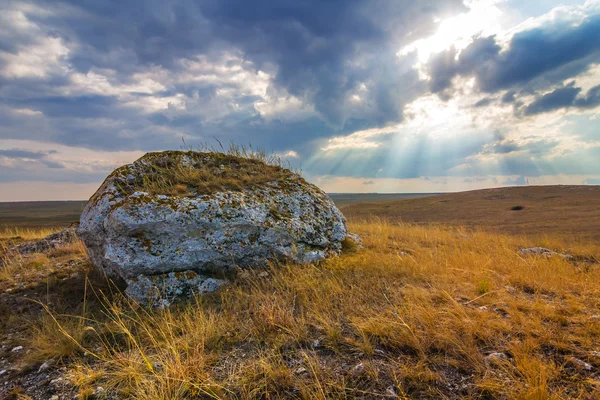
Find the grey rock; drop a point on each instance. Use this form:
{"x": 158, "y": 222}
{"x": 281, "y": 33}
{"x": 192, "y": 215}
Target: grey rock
{"x": 581, "y": 364}
{"x": 132, "y": 236}
{"x": 53, "y": 241}
{"x": 542, "y": 251}
{"x": 17, "y": 348}
{"x": 160, "y": 290}
{"x": 496, "y": 356}
{"x": 45, "y": 366}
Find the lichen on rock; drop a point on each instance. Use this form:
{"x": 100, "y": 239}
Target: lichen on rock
{"x": 150, "y": 219}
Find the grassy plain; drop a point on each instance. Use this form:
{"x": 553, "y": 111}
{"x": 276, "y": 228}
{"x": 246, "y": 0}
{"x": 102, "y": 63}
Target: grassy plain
{"x": 424, "y": 311}
{"x": 568, "y": 211}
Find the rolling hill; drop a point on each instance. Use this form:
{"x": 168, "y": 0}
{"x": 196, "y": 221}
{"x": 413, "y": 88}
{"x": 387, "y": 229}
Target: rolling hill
{"x": 565, "y": 210}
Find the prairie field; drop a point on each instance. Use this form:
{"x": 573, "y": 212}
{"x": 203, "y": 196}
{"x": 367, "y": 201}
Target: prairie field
{"x": 420, "y": 312}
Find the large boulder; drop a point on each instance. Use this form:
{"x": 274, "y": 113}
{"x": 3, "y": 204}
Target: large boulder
{"x": 194, "y": 216}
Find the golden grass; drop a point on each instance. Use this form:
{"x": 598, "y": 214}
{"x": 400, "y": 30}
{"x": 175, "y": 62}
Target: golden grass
{"x": 30, "y": 268}
{"x": 413, "y": 315}
{"x": 26, "y": 233}
{"x": 229, "y": 170}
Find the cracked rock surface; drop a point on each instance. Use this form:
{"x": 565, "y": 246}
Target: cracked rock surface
{"x": 134, "y": 234}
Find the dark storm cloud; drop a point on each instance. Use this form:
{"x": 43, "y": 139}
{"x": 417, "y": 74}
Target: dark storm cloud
{"x": 318, "y": 49}
{"x": 590, "y": 100}
{"x": 21, "y": 153}
{"x": 558, "y": 98}
{"x": 509, "y": 97}
{"x": 564, "y": 97}
{"x": 537, "y": 58}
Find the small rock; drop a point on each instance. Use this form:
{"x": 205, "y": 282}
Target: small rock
{"x": 45, "y": 366}
{"x": 56, "y": 382}
{"x": 581, "y": 364}
{"x": 596, "y": 316}
{"x": 300, "y": 370}
{"x": 380, "y": 352}
{"x": 263, "y": 274}
{"x": 509, "y": 289}
{"x": 483, "y": 308}
{"x": 2, "y": 372}
{"x": 496, "y": 356}
{"x": 158, "y": 366}
{"x": 391, "y": 391}
{"x": 18, "y": 348}
{"x": 316, "y": 343}
{"x": 98, "y": 390}
{"x": 595, "y": 353}
{"x": 360, "y": 367}
{"x": 541, "y": 251}
{"x": 55, "y": 397}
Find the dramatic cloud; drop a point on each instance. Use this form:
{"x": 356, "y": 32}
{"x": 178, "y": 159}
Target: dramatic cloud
{"x": 364, "y": 93}
{"x": 534, "y": 58}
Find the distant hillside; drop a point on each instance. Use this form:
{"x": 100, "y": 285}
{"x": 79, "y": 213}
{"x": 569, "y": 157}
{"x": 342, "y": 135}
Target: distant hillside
{"x": 566, "y": 210}
{"x": 345, "y": 199}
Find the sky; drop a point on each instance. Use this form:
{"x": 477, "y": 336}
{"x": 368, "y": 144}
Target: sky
{"x": 360, "y": 95}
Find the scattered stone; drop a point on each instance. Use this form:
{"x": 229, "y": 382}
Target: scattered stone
{"x": 541, "y": 251}
{"x": 596, "y": 316}
{"x": 45, "y": 366}
{"x": 496, "y": 356}
{"x": 581, "y": 364}
{"x": 300, "y": 370}
{"x": 53, "y": 241}
{"x": 595, "y": 353}
{"x": 131, "y": 233}
{"x": 316, "y": 343}
{"x": 55, "y": 397}
{"x": 56, "y": 381}
{"x": 98, "y": 390}
{"x": 380, "y": 352}
{"x": 482, "y": 308}
{"x": 509, "y": 289}
{"x": 263, "y": 274}
{"x": 354, "y": 238}
{"x": 16, "y": 349}
{"x": 391, "y": 391}
{"x": 3, "y": 372}
{"x": 157, "y": 366}
{"x": 358, "y": 368}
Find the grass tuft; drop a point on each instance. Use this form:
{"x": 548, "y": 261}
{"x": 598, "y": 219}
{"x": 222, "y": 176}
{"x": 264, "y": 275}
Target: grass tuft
{"x": 190, "y": 173}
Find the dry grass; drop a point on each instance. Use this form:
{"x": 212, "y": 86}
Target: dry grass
{"x": 26, "y": 233}
{"x": 27, "y": 269}
{"x": 413, "y": 315}
{"x": 568, "y": 211}
{"x": 233, "y": 169}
